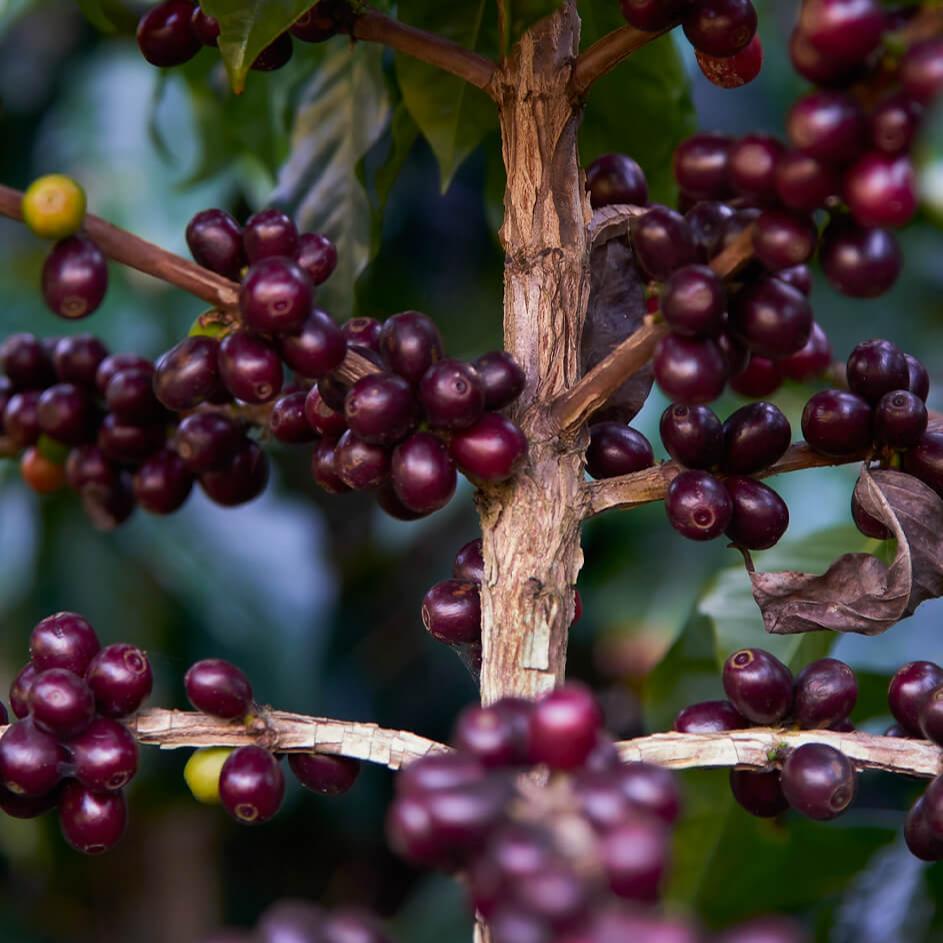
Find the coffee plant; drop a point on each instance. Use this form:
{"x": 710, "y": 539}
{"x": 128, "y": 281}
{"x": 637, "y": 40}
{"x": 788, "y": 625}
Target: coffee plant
{"x": 657, "y": 278}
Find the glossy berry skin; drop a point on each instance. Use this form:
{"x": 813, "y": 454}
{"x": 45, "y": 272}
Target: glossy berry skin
{"x": 380, "y": 409}
{"x": 250, "y": 368}
{"x": 921, "y": 71}
{"x": 205, "y": 27}
{"x": 694, "y": 301}
{"x": 316, "y": 349}
{"x": 881, "y": 190}
{"x": 925, "y": 461}
{"x": 451, "y": 611}
{"x": 26, "y": 362}
{"x": 909, "y": 690}
{"x": 860, "y": 262}
{"x": 120, "y": 678}
{"x": 61, "y": 703}
{"x": 651, "y": 789}
{"x": 19, "y": 690}
{"x": 772, "y": 318}
{"x": 207, "y": 441}
{"x": 700, "y": 166}
{"x": 317, "y": 257}
{"x": 798, "y": 276}
{"x": 876, "y": 367}
{"x": 324, "y": 774}
{"x": 869, "y": 525}
{"x": 215, "y": 241}
{"x": 761, "y": 377}
{"x": 501, "y": 378}
{"x": 812, "y": 360}
{"x": 251, "y": 785}
{"x": 710, "y": 717}
{"x": 451, "y": 394}
{"x": 736, "y": 70}
{"x": 752, "y": 165}
{"x": 720, "y": 27}
{"x": 288, "y": 422}
{"x": 564, "y": 726}
{"x": 706, "y": 221}
{"x": 837, "y": 423}
{"x": 53, "y": 206}
{"x": 782, "y": 240}
{"x": 919, "y": 380}
{"x": 759, "y": 793}
{"x": 364, "y": 332}
{"x": 29, "y": 760}
{"x": 63, "y": 640}
{"x": 269, "y": 233}
{"x": 201, "y": 773}
{"x": 652, "y": 15}
{"x": 410, "y": 343}
{"x": 818, "y": 781}
{"x": 130, "y": 397}
{"x": 241, "y": 479}
{"x": 804, "y": 183}
{"x": 104, "y": 755}
{"x": 324, "y": 420}
{"x": 827, "y": 125}
{"x": 820, "y": 69}
{"x": 894, "y": 123}
{"x": 615, "y": 449}
{"x": 847, "y": 30}
{"x": 360, "y": 465}
{"x": 21, "y": 418}
{"x": 755, "y": 436}
{"x": 662, "y": 242}
{"x": 114, "y": 364}
{"x": 759, "y": 685}
{"x": 616, "y": 179}
{"x": 423, "y": 475}
{"x": 690, "y": 370}
{"x": 324, "y": 467}
{"x": 760, "y": 516}
{"x": 931, "y": 716}
{"x": 91, "y": 822}
{"x": 692, "y": 435}
{"x": 275, "y": 297}
{"x": 275, "y": 55}
{"x": 825, "y": 693}
{"x": 188, "y": 374}
{"x": 922, "y": 841}
{"x": 314, "y": 26}
{"x": 218, "y": 688}
{"x": 74, "y": 278}
{"x": 491, "y": 450}
{"x": 469, "y": 563}
{"x": 490, "y": 735}
{"x": 698, "y": 505}
{"x": 65, "y": 413}
{"x": 900, "y": 419}
{"x": 635, "y": 858}
{"x": 165, "y": 35}
{"x": 162, "y": 483}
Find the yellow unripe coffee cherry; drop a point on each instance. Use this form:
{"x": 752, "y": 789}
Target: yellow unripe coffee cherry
{"x": 54, "y": 206}
{"x": 202, "y": 773}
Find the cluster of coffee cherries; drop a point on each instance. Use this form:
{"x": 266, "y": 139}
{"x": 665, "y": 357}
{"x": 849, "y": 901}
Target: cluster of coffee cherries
{"x": 174, "y": 31}
{"x": 248, "y": 781}
{"x": 815, "y": 778}
{"x": 68, "y": 749}
{"x": 299, "y": 921}
{"x": 722, "y": 32}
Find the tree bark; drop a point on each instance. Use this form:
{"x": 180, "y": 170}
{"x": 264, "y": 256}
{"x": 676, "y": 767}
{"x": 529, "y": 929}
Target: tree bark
{"x": 531, "y": 526}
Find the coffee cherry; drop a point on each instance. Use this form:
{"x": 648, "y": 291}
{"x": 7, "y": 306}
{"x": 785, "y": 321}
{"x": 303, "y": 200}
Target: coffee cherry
{"x": 359, "y": 464}
{"x": 250, "y": 368}
{"x": 616, "y": 179}
{"x": 439, "y": 772}
{"x": 317, "y": 256}
{"x": 827, "y": 125}
{"x": 759, "y": 793}
{"x": 188, "y": 374}
{"x": 288, "y": 422}
{"x": 251, "y": 785}
{"x": 205, "y": 27}
{"x": 635, "y": 858}
{"x": 104, "y": 755}
{"x": 720, "y": 27}
{"x": 615, "y": 449}
{"x": 201, "y": 773}
{"x": 700, "y": 166}
{"x": 274, "y": 56}
{"x": 26, "y": 807}
{"x": 218, "y": 688}
{"x": 411, "y": 834}
{"x": 652, "y": 15}
{"x": 921, "y": 71}
{"x": 804, "y": 183}
{"x": 207, "y": 441}
{"x": 92, "y": 822}
{"x": 736, "y": 70}
{"x": 772, "y": 318}
{"x": 818, "y": 781}
{"x": 710, "y": 717}
{"x": 782, "y": 240}
{"x": 490, "y": 735}
{"x": 120, "y": 678}
{"x": 491, "y": 450}
{"x": 26, "y": 362}
{"x": 316, "y": 25}
{"x": 316, "y": 349}
{"x": 380, "y": 409}
{"x": 53, "y": 206}
{"x": 564, "y": 726}
{"x": 694, "y": 301}
{"x": 451, "y": 611}
{"x": 900, "y": 420}
{"x": 410, "y": 343}
{"x": 163, "y": 483}
{"x": 114, "y": 364}
{"x": 859, "y": 262}
{"x": 41, "y": 474}
{"x": 107, "y": 506}
{"x": 651, "y": 789}
{"x": 469, "y": 562}
{"x": 690, "y": 370}
{"x": 165, "y": 35}
{"x": 698, "y": 505}
{"x": 662, "y": 242}
{"x": 706, "y": 221}
{"x": 826, "y": 691}
{"x": 501, "y": 378}
{"x": 29, "y": 760}
{"x": 692, "y": 435}
{"x": 324, "y": 420}
{"x": 324, "y": 467}
{"x": 909, "y": 690}
{"x": 215, "y": 238}
{"x": 925, "y": 461}
{"x": 931, "y": 716}
{"x": 269, "y": 233}
{"x": 130, "y": 444}
{"x": 799, "y": 277}
{"x": 130, "y": 397}
{"x": 759, "y": 685}
{"x": 243, "y": 478}
{"x": 74, "y": 278}
{"x": 760, "y": 516}
{"x": 324, "y": 774}
{"x": 817, "y": 67}
{"x": 752, "y": 165}
{"x": 61, "y": 703}
{"x": 21, "y": 419}
{"x": 922, "y": 841}
{"x": 837, "y": 423}
{"x": 275, "y": 296}
{"x": 894, "y": 123}
{"x": 63, "y": 640}
{"x": 364, "y": 332}
{"x": 868, "y": 525}
{"x": 876, "y": 367}
{"x": 847, "y": 30}
{"x": 761, "y": 377}
{"x": 19, "y": 690}
{"x": 812, "y": 360}
{"x": 881, "y": 190}
{"x": 423, "y": 474}
{"x": 451, "y": 394}
{"x": 755, "y": 437}
{"x": 65, "y": 413}
{"x": 919, "y": 379}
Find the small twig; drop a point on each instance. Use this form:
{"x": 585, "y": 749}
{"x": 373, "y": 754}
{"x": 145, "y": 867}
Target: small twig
{"x": 605, "y": 54}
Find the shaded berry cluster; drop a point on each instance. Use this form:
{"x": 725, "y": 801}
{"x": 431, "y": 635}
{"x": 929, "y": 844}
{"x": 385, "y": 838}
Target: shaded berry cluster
{"x": 68, "y": 748}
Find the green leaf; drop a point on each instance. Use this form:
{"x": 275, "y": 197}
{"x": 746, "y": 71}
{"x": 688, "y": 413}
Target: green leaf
{"x": 402, "y": 137}
{"x": 343, "y": 112}
{"x": 453, "y": 116}
{"x": 246, "y": 27}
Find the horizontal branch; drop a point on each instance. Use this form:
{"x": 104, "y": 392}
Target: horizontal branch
{"x": 428, "y": 47}
{"x": 605, "y": 54}
{"x": 651, "y": 484}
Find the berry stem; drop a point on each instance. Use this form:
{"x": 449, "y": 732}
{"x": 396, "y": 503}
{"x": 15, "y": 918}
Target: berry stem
{"x": 606, "y": 53}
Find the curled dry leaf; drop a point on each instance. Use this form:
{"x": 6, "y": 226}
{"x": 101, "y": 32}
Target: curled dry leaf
{"x": 859, "y": 593}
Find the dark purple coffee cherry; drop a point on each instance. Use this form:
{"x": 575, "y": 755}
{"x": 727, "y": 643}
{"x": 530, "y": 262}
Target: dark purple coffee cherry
{"x": 651, "y": 789}
{"x": 635, "y": 858}
{"x": 92, "y": 822}
{"x": 251, "y": 785}
{"x": 616, "y": 179}
{"x": 21, "y": 418}
{"x": 690, "y": 370}
{"x": 693, "y": 435}
{"x": 925, "y": 461}
{"x": 846, "y": 30}
{"x": 615, "y": 449}
{"x": 755, "y": 437}
{"x": 108, "y": 506}
{"x": 188, "y": 374}
{"x": 469, "y": 562}
{"x": 19, "y": 690}
{"x": 663, "y": 242}
{"x": 61, "y": 703}
{"x": 324, "y": 420}
{"x": 324, "y": 467}
{"x": 761, "y": 377}
{"x": 931, "y": 716}
{"x": 410, "y": 343}
{"x": 215, "y": 238}
{"x": 826, "y": 692}
{"x": 316, "y": 25}
{"x": 207, "y": 441}
{"x": 104, "y": 755}
{"x": 799, "y": 277}
{"x": 804, "y": 183}
{"x": 782, "y": 240}
{"x": 812, "y": 360}
{"x": 759, "y": 685}
{"x": 75, "y": 278}
{"x": 919, "y": 382}
{"x": 451, "y": 394}
{"x": 115, "y": 363}
{"x": 241, "y": 480}
{"x": 707, "y": 220}
{"x": 652, "y": 16}
{"x": 921, "y": 71}
{"x": 269, "y": 233}
{"x": 564, "y": 726}
{"x": 859, "y": 262}
{"x": 700, "y": 166}
{"x": 491, "y": 450}
{"x": 819, "y": 68}
{"x": 26, "y": 807}
{"x": 501, "y": 378}
{"x": 881, "y": 190}
{"x": 165, "y": 34}
{"x": 876, "y": 367}
{"x": 65, "y": 413}
{"x": 324, "y": 774}
{"x": 250, "y": 368}
{"x": 276, "y": 296}
{"x": 162, "y": 483}
{"x": 381, "y": 409}
{"x": 63, "y": 640}
{"x": 894, "y": 123}
{"x": 869, "y": 525}
{"x": 218, "y": 688}
{"x": 772, "y": 318}
{"x": 490, "y": 735}
{"x": 720, "y": 28}
{"x": 130, "y": 444}
{"x": 900, "y": 420}
{"x": 922, "y": 841}
{"x": 837, "y": 423}
{"x": 30, "y": 760}
{"x": 120, "y": 678}
{"x": 364, "y": 332}
{"x": 818, "y": 781}
{"x": 760, "y": 516}
{"x": 761, "y": 794}
{"x": 288, "y": 422}
{"x": 909, "y": 690}
{"x": 827, "y": 125}
{"x": 694, "y": 301}
{"x": 26, "y": 362}
{"x": 439, "y": 772}
{"x": 130, "y": 397}
{"x": 317, "y": 257}
{"x": 752, "y": 165}
{"x": 316, "y": 349}
{"x": 698, "y": 505}
{"x": 275, "y": 55}
{"x": 87, "y": 465}
{"x": 710, "y": 717}
{"x": 360, "y": 465}
{"x": 451, "y": 611}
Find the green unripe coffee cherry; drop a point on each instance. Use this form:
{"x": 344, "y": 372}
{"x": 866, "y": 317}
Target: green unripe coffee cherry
{"x": 202, "y": 773}
{"x": 54, "y": 206}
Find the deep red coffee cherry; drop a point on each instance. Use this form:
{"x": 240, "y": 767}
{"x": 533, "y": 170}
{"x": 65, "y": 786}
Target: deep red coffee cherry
{"x": 30, "y": 760}
{"x": 761, "y": 794}
{"x": 635, "y": 858}
{"x": 74, "y": 278}
{"x": 104, "y": 755}
{"x": 65, "y": 413}
{"x": 846, "y": 30}
{"x": 752, "y": 165}
{"x": 694, "y": 301}
{"x": 251, "y": 785}
{"x": 218, "y": 688}
{"x": 451, "y": 394}
{"x": 925, "y": 461}
{"x": 922, "y": 841}
{"x": 760, "y": 516}
{"x": 410, "y": 343}
{"x": 324, "y": 420}
{"x": 690, "y": 370}
{"x": 919, "y": 382}
{"x": 900, "y": 420}
{"x": 316, "y": 349}
{"x": 275, "y": 55}
{"x": 755, "y": 436}
{"x": 700, "y": 166}
{"x": 827, "y": 125}
{"x": 451, "y": 611}
{"x": 782, "y": 240}
{"x": 826, "y": 692}
{"x": 812, "y": 360}
{"x": 909, "y": 690}
{"x": 165, "y": 34}
{"x": 276, "y": 296}
{"x": 381, "y": 409}
{"x": 759, "y": 685}
{"x": 736, "y": 70}
{"x": 564, "y": 726}
{"x": 652, "y": 15}
{"x": 288, "y": 422}
{"x": 931, "y": 716}
{"x": 207, "y": 441}
{"x": 877, "y": 367}
{"x": 709, "y": 717}
{"x": 881, "y": 190}
{"x": 698, "y": 505}
{"x": 615, "y": 449}
{"x": 760, "y": 377}
{"x": 92, "y": 822}
{"x": 359, "y": 464}
{"x": 921, "y": 70}
{"x": 63, "y": 640}
{"x": 819, "y": 781}
{"x": 490, "y": 735}
{"x": 269, "y": 233}
{"x": 324, "y": 774}
{"x": 87, "y": 468}
{"x": 120, "y": 678}
{"x": 215, "y": 238}
{"x": 651, "y": 789}
{"x": 720, "y": 27}
{"x": 188, "y": 374}
{"x": 805, "y": 183}
{"x": 837, "y": 423}
{"x": 772, "y": 318}
{"x": 19, "y": 690}
{"x": 860, "y": 262}
{"x": 324, "y": 467}
{"x": 616, "y": 179}
{"x": 663, "y": 242}
{"x": 501, "y": 378}
{"x": 469, "y": 562}
{"x": 423, "y": 475}
{"x": 250, "y": 368}
{"x": 490, "y": 450}
{"x": 692, "y": 435}
{"x": 869, "y": 525}
{"x": 61, "y": 703}
{"x": 162, "y": 483}
{"x": 317, "y": 257}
